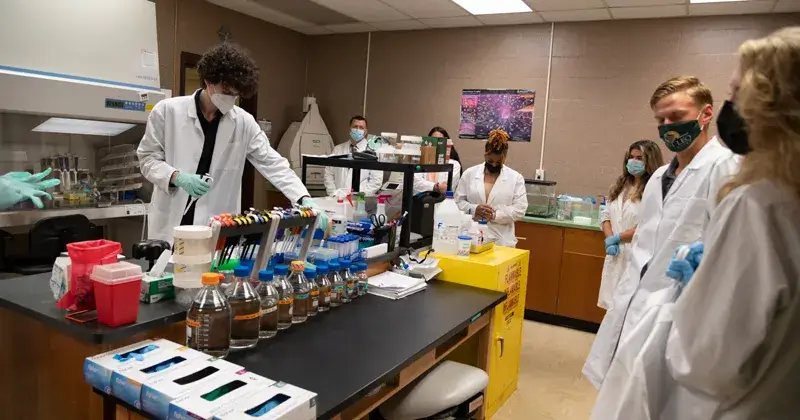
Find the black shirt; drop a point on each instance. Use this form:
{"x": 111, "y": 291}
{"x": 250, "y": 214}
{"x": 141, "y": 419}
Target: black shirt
{"x": 204, "y": 165}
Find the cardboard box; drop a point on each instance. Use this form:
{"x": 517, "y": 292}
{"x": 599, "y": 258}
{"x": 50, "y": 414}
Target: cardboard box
{"x": 214, "y": 396}
{"x": 156, "y": 289}
{"x": 159, "y": 392}
{"x": 126, "y": 382}
{"x": 287, "y": 402}
{"x": 97, "y": 369}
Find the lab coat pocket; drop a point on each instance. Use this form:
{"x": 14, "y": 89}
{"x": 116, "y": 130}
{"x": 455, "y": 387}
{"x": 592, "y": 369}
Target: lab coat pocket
{"x": 689, "y": 225}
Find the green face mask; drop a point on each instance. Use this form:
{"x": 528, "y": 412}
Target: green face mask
{"x": 679, "y": 136}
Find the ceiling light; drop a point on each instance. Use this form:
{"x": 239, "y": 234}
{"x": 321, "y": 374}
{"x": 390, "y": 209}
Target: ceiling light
{"x": 492, "y": 7}
{"x": 715, "y": 1}
{"x": 86, "y": 127}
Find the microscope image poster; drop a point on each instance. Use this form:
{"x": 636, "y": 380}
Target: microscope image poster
{"x": 484, "y": 110}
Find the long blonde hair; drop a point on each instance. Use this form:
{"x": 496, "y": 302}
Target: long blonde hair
{"x": 769, "y": 101}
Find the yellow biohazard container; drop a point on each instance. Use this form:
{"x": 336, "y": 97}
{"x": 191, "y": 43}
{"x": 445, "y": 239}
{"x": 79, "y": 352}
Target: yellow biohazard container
{"x": 501, "y": 269}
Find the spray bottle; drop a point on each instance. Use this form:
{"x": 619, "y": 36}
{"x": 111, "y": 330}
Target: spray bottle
{"x": 361, "y": 208}
{"x": 381, "y": 207}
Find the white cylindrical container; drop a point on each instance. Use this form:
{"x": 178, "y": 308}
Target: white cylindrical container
{"x": 464, "y": 242}
{"x": 191, "y": 241}
{"x": 447, "y": 219}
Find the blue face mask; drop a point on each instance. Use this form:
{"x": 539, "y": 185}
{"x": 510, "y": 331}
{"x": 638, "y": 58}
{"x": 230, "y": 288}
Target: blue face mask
{"x": 356, "y": 134}
{"x": 635, "y": 167}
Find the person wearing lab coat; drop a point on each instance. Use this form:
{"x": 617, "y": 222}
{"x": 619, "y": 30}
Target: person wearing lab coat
{"x": 206, "y": 133}
{"x": 676, "y": 205}
{"x": 438, "y": 181}
{"x": 342, "y": 178}
{"x": 620, "y": 217}
{"x": 493, "y": 191}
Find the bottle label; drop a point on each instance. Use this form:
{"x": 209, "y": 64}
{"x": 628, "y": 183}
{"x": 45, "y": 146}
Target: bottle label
{"x": 291, "y": 310}
{"x": 269, "y": 310}
{"x": 314, "y": 303}
{"x": 192, "y": 323}
{"x": 301, "y": 296}
{"x": 314, "y": 293}
{"x": 287, "y": 300}
{"x": 338, "y": 288}
{"x": 245, "y": 317}
{"x": 327, "y": 298}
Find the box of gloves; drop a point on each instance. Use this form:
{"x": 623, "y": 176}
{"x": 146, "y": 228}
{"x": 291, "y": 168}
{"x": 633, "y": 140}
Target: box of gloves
{"x": 205, "y": 401}
{"x": 158, "y": 392}
{"x": 278, "y": 401}
{"x": 97, "y": 370}
{"x": 127, "y": 380}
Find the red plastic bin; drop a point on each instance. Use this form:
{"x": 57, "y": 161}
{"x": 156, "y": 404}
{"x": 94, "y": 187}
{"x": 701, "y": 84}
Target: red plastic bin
{"x": 116, "y": 292}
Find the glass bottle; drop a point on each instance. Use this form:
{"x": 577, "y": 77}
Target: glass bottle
{"x": 208, "y": 321}
{"x": 324, "y": 285}
{"x": 286, "y": 293}
{"x": 350, "y": 292}
{"x": 269, "y": 304}
{"x": 362, "y": 281}
{"x": 245, "y": 309}
{"x": 337, "y": 284}
{"x": 313, "y": 293}
{"x": 302, "y": 290}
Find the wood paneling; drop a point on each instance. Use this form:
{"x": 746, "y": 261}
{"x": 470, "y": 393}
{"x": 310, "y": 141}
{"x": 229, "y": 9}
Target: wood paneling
{"x": 580, "y": 241}
{"x": 579, "y": 287}
{"x": 545, "y": 246}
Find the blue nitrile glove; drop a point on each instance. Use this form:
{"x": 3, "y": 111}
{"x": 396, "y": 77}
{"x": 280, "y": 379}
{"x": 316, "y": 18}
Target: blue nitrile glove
{"x": 322, "y": 221}
{"x": 683, "y": 269}
{"x": 612, "y": 250}
{"x": 20, "y": 186}
{"x": 192, "y": 184}
{"x": 612, "y": 240}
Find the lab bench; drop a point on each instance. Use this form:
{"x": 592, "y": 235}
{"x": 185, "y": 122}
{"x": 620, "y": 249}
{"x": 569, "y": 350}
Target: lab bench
{"x": 389, "y": 343}
{"x": 566, "y": 265}
{"x": 29, "y": 217}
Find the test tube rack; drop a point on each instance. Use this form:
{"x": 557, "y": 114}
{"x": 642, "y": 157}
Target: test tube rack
{"x": 227, "y": 228}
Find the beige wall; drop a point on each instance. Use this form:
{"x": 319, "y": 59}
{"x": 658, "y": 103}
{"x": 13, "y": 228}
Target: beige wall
{"x": 603, "y": 74}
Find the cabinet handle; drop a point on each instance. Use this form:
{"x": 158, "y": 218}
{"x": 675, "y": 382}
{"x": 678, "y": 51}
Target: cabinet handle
{"x": 519, "y": 238}
{"x": 502, "y": 345}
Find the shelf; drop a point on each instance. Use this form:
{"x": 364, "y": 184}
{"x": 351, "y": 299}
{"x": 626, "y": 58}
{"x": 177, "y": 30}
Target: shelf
{"x": 29, "y": 217}
{"x": 374, "y": 165}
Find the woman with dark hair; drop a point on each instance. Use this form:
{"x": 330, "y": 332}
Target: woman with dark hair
{"x": 493, "y": 191}
{"x": 438, "y": 181}
{"x": 621, "y": 216}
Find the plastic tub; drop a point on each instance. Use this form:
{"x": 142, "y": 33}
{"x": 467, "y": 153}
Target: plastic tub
{"x": 191, "y": 240}
{"x": 464, "y": 244}
{"x": 116, "y": 290}
{"x": 188, "y": 276}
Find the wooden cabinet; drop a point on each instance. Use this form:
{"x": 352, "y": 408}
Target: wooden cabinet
{"x": 566, "y": 265}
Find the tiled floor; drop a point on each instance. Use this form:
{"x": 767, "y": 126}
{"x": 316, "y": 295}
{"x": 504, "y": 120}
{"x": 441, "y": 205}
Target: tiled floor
{"x": 550, "y": 382}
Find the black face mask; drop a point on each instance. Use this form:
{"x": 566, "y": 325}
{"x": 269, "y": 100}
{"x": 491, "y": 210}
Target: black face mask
{"x": 732, "y": 129}
{"x": 493, "y": 169}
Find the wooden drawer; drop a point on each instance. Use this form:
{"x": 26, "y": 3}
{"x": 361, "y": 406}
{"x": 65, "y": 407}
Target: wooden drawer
{"x": 579, "y": 287}
{"x": 545, "y": 244}
{"x": 588, "y": 242}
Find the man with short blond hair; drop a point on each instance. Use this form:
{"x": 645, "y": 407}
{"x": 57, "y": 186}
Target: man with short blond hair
{"x": 676, "y": 205}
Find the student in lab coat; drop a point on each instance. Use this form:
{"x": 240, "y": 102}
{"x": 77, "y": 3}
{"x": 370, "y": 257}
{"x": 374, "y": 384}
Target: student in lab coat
{"x": 438, "y": 181}
{"x": 206, "y": 133}
{"x": 493, "y": 191}
{"x": 618, "y": 221}
{"x": 342, "y": 178}
{"x": 676, "y": 205}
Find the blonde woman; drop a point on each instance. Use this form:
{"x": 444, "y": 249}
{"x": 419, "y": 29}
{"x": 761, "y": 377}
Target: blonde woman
{"x": 621, "y": 216}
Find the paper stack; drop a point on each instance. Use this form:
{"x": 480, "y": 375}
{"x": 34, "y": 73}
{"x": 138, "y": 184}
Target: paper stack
{"x": 395, "y": 286}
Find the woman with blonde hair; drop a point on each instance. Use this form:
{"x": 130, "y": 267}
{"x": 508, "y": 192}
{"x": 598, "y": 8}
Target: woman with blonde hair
{"x": 493, "y": 191}
{"x": 618, "y": 221}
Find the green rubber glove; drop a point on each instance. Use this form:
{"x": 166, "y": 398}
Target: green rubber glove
{"x": 192, "y": 184}
{"x": 322, "y": 220}
{"x": 14, "y": 188}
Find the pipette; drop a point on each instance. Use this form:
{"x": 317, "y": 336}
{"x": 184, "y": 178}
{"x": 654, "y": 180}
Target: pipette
{"x": 192, "y": 200}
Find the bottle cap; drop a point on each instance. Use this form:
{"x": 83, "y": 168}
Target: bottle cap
{"x": 242, "y": 271}
{"x": 210, "y": 278}
{"x": 449, "y": 194}
{"x": 265, "y": 275}
{"x": 310, "y": 272}
{"x": 322, "y": 268}
{"x": 281, "y": 270}
{"x": 297, "y": 265}
{"x": 361, "y": 266}
{"x": 333, "y": 265}
{"x": 345, "y": 263}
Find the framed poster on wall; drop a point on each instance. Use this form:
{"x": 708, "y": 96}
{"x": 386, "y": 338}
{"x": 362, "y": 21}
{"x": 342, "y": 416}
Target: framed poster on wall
{"x": 483, "y": 110}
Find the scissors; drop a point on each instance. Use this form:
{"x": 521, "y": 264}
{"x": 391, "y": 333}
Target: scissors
{"x": 210, "y": 182}
{"x": 378, "y": 220}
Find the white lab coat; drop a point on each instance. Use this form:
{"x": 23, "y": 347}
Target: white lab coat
{"x": 663, "y": 226}
{"x": 173, "y": 141}
{"x": 422, "y": 182}
{"x": 623, "y": 214}
{"x": 508, "y": 198}
{"x": 342, "y": 178}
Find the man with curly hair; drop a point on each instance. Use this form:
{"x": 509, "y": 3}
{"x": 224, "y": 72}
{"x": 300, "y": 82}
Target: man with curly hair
{"x": 205, "y": 133}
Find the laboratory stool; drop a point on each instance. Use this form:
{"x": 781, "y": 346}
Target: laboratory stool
{"x": 450, "y": 390}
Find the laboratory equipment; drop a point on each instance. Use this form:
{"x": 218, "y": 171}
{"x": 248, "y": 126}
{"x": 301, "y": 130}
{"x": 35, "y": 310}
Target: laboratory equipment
{"x": 325, "y": 287}
{"x": 464, "y": 244}
{"x": 269, "y": 304}
{"x": 286, "y": 293}
{"x": 362, "y": 279}
{"x": 116, "y": 289}
{"x": 301, "y": 289}
{"x": 361, "y": 207}
{"x": 447, "y": 223}
{"x": 208, "y": 320}
{"x": 337, "y": 284}
{"x": 313, "y": 294}
{"x": 308, "y": 137}
{"x": 541, "y": 198}
{"x": 245, "y": 310}
{"x": 423, "y": 206}
{"x": 192, "y": 254}
{"x": 349, "y": 279}
{"x": 410, "y": 150}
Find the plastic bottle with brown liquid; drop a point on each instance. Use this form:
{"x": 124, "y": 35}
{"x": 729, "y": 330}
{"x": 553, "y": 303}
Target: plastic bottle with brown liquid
{"x": 324, "y": 287}
{"x": 269, "y": 304}
{"x": 246, "y": 309}
{"x": 208, "y": 321}
{"x": 286, "y": 294}
{"x": 337, "y": 284}
{"x": 313, "y": 293}
{"x": 302, "y": 291}
{"x": 350, "y": 292}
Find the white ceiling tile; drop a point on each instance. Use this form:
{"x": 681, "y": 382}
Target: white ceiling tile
{"x": 427, "y": 8}
{"x": 548, "y": 5}
{"x": 648, "y": 12}
{"x": 350, "y": 27}
{"x": 510, "y": 18}
{"x": 642, "y": 3}
{"x": 731, "y": 8}
{"x": 575, "y": 15}
{"x": 785, "y": 6}
{"x": 399, "y": 25}
{"x": 452, "y": 22}
{"x": 313, "y": 30}
{"x": 363, "y": 10}
{"x": 264, "y": 13}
